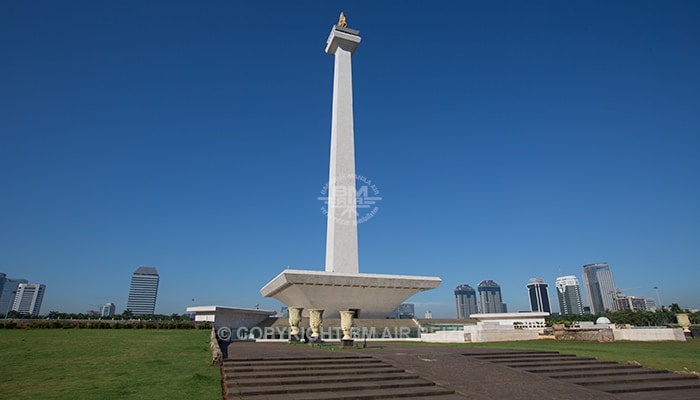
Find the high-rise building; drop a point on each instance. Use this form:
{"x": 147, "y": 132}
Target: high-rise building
{"x": 650, "y": 304}
{"x": 538, "y": 292}
{"x": 600, "y": 287}
{"x": 490, "y": 298}
{"x": 143, "y": 291}
{"x": 108, "y": 310}
{"x": 404, "y": 311}
{"x": 3, "y": 278}
{"x": 465, "y": 301}
{"x": 622, "y": 301}
{"x": 8, "y": 291}
{"x": 28, "y": 298}
{"x": 569, "y": 294}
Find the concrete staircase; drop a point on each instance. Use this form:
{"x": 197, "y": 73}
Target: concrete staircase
{"x": 324, "y": 377}
{"x": 628, "y": 381}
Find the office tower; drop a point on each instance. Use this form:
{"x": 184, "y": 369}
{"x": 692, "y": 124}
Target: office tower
{"x": 8, "y": 290}
{"x": 108, "y": 310}
{"x": 569, "y": 294}
{"x": 143, "y": 291}
{"x": 538, "y": 292}
{"x": 490, "y": 298}
{"x": 622, "y": 301}
{"x": 650, "y": 304}
{"x": 3, "y": 278}
{"x": 28, "y": 298}
{"x": 404, "y": 311}
{"x": 465, "y": 301}
{"x": 600, "y": 287}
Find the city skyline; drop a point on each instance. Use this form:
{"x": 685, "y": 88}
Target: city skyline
{"x": 516, "y": 140}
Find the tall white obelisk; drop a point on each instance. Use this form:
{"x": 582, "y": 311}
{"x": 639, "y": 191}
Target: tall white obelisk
{"x": 341, "y": 286}
{"x": 341, "y": 234}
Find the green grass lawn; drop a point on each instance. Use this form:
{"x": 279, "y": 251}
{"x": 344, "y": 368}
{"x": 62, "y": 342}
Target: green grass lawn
{"x": 672, "y": 356}
{"x": 107, "y": 364}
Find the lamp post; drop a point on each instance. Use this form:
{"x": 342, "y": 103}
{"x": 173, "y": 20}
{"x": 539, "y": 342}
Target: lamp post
{"x": 657, "y": 295}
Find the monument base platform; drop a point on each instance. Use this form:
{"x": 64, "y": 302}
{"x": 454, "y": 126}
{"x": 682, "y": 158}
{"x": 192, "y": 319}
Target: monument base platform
{"x": 370, "y": 295}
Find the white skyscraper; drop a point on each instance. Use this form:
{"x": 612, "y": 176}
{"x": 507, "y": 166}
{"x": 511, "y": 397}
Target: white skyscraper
{"x": 569, "y": 294}
{"x": 108, "y": 310}
{"x": 143, "y": 291}
{"x": 28, "y": 298}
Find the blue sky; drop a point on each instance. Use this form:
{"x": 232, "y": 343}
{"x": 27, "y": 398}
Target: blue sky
{"x": 509, "y": 140}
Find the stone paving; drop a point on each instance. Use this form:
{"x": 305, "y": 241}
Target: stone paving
{"x": 298, "y": 371}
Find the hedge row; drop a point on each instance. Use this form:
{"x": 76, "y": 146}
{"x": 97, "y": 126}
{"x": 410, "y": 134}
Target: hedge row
{"x": 104, "y": 325}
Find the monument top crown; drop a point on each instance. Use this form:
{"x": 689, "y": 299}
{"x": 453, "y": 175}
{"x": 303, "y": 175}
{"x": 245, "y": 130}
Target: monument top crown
{"x": 342, "y": 36}
{"x": 341, "y": 21}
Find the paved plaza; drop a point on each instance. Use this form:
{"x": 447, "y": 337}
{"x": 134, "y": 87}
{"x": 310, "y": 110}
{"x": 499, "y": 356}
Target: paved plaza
{"x": 299, "y": 371}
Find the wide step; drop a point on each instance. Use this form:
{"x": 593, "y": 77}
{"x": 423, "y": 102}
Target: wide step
{"x": 652, "y": 386}
{"x": 631, "y": 370}
{"x": 325, "y": 378}
{"x": 579, "y": 368}
{"x": 332, "y": 387}
{"x": 606, "y": 376}
{"x": 430, "y": 392}
{"x": 296, "y": 380}
{"x": 618, "y": 379}
{"x": 381, "y": 369}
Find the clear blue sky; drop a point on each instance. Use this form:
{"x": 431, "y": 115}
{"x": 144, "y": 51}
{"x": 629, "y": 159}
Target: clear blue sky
{"x": 508, "y": 140}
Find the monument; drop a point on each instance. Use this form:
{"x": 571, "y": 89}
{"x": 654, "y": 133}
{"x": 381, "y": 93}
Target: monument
{"x": 341, "y": 286}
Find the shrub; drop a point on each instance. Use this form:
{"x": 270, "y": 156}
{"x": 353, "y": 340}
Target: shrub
{"x": 204, "y": 325}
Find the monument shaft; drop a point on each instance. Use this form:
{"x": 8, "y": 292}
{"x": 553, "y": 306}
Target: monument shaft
{"x": 341, "y": 234}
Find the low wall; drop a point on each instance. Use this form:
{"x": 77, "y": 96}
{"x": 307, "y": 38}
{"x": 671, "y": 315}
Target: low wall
{"x": 446, "y": 337}
{"x": 503, "y": 335}
{"x": 650, "y": 334}
{"x": 481, "y": 333}
{"x": 597, "y": 334}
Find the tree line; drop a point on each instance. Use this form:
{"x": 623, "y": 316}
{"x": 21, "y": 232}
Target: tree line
{"x": 661, "y": 317}
{"x": 127, "y": 315}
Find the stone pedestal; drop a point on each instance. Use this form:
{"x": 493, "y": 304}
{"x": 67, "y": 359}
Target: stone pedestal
{"x": 316, "y": 316}
{"x": 294, "y": 321}
{"x": 346, "y": 318}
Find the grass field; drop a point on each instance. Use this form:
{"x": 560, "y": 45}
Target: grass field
{"x": 672, "y": 356}
{"x": 107, "y": 364}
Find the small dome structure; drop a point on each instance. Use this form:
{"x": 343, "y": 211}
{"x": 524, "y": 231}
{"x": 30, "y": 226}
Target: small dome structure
{"x": 602, "y": 320}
